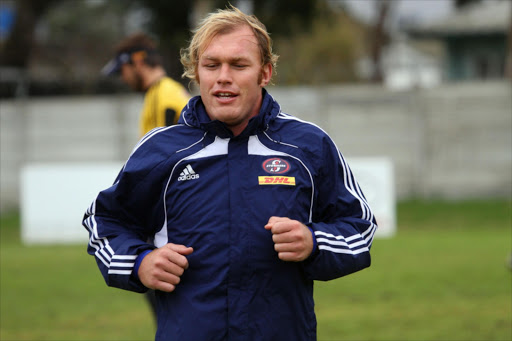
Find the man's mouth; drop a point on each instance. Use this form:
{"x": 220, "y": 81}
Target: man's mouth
{"x": 225, "y": 95}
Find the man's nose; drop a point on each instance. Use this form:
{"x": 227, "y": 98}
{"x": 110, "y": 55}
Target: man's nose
{"x": 224, "y": 74}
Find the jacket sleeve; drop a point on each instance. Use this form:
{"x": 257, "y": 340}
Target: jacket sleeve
{"x": 342, "y": 223}
{"x": 123, "y": 217}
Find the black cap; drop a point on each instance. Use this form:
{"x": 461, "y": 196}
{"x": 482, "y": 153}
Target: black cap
{"x": 113, "y": 67}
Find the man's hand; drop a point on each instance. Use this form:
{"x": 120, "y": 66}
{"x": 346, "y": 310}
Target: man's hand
{"x": 161, "y": 268}
{"x": 293, "y": 240}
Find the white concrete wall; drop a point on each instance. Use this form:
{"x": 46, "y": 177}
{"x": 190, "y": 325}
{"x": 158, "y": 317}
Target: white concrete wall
{"x": 63, "y": 129}
{"x": 453, "y": 141}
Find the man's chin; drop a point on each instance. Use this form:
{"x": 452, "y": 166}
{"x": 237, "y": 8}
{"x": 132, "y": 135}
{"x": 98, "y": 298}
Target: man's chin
{"x": 229, "y": 120}
{"x": 226, "y": 115}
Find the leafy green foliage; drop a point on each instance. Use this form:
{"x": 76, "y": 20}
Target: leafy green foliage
{"x": 170, "y": 23}
{"x": 326, "y": 54}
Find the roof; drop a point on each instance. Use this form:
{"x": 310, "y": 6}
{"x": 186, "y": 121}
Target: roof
{"x": 481, "y": 18}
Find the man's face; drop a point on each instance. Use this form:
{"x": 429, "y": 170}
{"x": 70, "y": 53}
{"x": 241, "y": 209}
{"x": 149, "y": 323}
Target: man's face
{"x": 131, "y": 77}
{"x": 231, "y": 76}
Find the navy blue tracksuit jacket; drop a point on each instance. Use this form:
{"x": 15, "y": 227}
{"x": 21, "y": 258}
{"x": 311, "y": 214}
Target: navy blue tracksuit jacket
{"x": 196, "y": 184}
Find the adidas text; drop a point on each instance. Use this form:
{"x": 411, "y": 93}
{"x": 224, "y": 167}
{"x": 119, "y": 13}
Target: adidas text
{"x": 188, "y": 177}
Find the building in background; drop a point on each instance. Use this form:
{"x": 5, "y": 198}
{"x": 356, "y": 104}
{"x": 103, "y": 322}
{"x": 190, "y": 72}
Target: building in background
{"x": 475, "y": 40}
{"x": 407, "y": 64}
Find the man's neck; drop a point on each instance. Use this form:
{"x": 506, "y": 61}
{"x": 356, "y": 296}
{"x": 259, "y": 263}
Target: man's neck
{"x": 153, "y": 76}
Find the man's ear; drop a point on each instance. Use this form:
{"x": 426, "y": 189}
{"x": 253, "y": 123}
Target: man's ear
{"x": 138, "y": 58}
{"x": 266, "y": 74}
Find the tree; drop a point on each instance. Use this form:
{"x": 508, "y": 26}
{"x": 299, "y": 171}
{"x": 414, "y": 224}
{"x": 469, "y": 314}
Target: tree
{"x": 284, "y": 17}
{"x": 508, "y": 66}
{"x": 17, "y": 49}
{"x": 326, "y": 54}
{"x": 383, "y": 9}
{"x": 170, "y": 23}
{"x": 464, "y": 3}
{"x": 287, "y": 17}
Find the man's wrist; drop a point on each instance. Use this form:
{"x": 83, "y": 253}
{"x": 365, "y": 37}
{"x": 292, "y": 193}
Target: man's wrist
{"x": 138, "y": 260}
{"x": 315, "y": 246}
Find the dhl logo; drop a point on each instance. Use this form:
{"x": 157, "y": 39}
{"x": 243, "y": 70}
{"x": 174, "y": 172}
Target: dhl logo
{"x": 276, "y": 180}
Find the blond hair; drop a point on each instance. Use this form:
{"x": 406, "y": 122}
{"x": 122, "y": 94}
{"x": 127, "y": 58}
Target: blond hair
{"x": 222, "y": 22}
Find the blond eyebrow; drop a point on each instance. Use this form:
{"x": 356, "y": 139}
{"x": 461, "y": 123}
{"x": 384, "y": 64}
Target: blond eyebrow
{"x": 230, "y": 60}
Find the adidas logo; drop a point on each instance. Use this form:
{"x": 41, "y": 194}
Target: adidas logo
{"x": 188, "y": 174}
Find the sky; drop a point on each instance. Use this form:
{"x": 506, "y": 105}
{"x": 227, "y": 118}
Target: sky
{"x": 417, "y": 11}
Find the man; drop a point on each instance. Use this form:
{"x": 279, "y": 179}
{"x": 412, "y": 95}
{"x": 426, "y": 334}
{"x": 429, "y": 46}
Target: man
{"x": 140, "y": 66}
{"x": 247, "y": 205}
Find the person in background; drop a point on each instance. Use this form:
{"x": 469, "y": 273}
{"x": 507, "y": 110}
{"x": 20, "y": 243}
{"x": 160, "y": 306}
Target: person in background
{"x": 139, "y": 64}
{"x": 247, "y": 205}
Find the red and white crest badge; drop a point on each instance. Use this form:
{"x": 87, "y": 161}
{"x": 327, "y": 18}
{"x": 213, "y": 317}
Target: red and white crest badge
{"x": 276, "y": 166}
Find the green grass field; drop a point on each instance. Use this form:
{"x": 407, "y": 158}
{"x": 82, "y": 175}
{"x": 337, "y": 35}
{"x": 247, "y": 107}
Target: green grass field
{"x": 444, "y": 276}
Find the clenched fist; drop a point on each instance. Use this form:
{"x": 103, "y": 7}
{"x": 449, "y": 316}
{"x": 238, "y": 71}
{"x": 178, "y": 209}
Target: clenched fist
{"x": 293, "y": 240}
{"x": 162, "y": 268}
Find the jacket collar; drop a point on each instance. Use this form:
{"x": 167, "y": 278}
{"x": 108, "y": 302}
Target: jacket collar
{"x": 195, "y": 115}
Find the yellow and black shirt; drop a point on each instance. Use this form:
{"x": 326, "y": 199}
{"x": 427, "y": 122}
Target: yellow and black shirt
{"x": 163, "y": 103}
